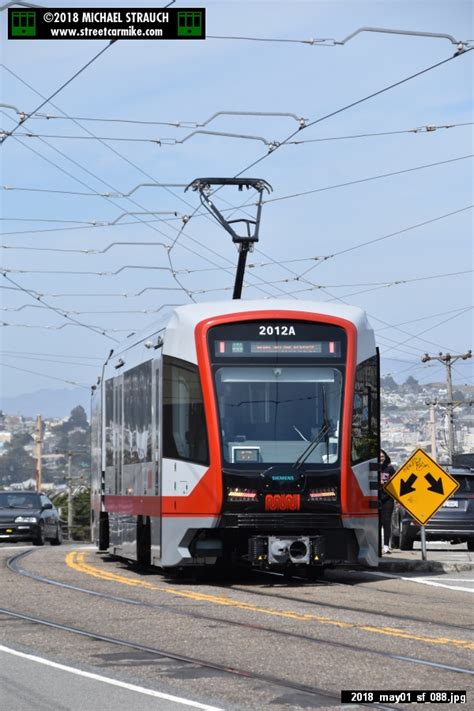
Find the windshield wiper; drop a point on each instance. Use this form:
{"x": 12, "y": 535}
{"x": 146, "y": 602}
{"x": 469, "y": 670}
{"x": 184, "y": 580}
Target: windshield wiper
{"x": 323, "y": 432}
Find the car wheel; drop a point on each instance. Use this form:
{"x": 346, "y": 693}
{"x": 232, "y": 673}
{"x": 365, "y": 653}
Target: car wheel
{"x": 406, "y": 541}
{"x": 470, "y": 544}
{"x": 58, "y": 539}
{"x": 39, "y": 540}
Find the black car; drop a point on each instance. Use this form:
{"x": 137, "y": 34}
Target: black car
{"x": 28, "y": 516}
{"x": 453, "y": 522}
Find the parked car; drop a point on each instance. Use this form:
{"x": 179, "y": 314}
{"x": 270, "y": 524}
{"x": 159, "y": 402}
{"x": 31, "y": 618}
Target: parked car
{"x": 453, "y": 522}
{"x": 28, "y": 516}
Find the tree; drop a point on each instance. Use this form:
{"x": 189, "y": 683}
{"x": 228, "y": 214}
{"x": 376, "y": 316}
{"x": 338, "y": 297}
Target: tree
{"x": 16, "y": 464}
{"x": 388, "y": 383}
{"x": 413, "y": 384}
{"x": 78, "y": 418}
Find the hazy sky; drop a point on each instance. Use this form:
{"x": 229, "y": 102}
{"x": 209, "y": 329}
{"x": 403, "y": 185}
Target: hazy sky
{"x": 58, "y": 179}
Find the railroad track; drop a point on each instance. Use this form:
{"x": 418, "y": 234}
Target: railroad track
{"x": 14, "y": 565}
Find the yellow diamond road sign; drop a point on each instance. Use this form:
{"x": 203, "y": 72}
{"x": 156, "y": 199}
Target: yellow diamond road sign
{"x": 421, "y": 486}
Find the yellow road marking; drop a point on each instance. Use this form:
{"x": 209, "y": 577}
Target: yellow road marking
{"x": 77, "y": 561}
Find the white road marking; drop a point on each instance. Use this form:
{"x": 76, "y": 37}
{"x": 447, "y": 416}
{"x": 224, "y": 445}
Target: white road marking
{"x": 459, "y": 580}
{"x": 423, "y": 581}
{"x": 112, "y": 682}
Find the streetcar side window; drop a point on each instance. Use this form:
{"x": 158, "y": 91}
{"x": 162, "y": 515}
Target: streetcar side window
{"x": 109, "y": 418}
{"x": 137, "y": 414}
{"x": 184, "y": 427}
{"x": 365, "y": 414}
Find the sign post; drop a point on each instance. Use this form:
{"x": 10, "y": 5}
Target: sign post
{"x": 423, "y": 543}
{"x": 421, "y": 486}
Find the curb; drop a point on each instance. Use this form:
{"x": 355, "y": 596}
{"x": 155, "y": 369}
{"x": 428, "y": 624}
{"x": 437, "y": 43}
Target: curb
{"x": 425, "y": 566}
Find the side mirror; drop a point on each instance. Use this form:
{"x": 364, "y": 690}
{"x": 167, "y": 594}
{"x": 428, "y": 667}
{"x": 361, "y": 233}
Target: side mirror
{"x": 47, "y": 506}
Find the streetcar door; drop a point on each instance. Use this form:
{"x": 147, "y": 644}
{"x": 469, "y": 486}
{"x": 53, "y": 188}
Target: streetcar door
{"x": 118, "y": 433}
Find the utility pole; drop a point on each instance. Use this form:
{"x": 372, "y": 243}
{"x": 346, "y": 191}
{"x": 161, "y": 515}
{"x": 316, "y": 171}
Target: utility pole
{"x": 38, "y": 452}
{"x": 447, "y": 359}
{"x": 69, "y": 496}
{"x": 432, "y": 422}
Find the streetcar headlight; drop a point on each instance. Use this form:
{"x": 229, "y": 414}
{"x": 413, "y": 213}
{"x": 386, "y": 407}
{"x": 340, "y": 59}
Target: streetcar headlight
{"x": 241, "y": 495}
{"x": 323, "y": 494}
{"x": 26, "y": 519}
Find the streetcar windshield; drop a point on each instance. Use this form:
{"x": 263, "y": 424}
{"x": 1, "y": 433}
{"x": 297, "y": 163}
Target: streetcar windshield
{"x": 271, "y": 414}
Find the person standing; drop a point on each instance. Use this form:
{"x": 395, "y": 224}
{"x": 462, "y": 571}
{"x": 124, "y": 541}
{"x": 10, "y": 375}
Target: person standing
{"x": 386, "y": 501}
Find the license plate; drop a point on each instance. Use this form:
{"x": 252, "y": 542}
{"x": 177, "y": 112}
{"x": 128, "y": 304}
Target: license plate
{"x": 282, "y": 502}
{"x": 451, "y": 504}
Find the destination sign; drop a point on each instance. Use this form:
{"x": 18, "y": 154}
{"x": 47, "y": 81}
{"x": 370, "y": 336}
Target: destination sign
{"x": 311, "y": 349}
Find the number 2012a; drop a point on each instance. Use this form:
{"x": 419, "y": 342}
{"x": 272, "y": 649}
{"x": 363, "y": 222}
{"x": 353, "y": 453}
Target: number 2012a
{"x": 276, "y": 331}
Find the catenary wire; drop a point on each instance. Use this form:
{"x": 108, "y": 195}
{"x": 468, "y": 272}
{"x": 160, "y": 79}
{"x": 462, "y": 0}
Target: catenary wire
{"x": 65, "y": 84}
{"x": 39, "y": 298}
{"x": 43, "y": 375}
{"x": 60, "y": 355}
{"x": 425, "y": 318}
{"x": 49, "y": 360}
{"x": 430, "y": 328}
{"x": 57, "y": 328}
{"x": 349, "y": 106}
{"x": 167, "y": 141}
{"x": 135, "y": 203}
{"x": 177, "y": 124}
{"x": 55, "y": 93}
{"x": 366, "y": 180}
{"x": 99, "y": 223}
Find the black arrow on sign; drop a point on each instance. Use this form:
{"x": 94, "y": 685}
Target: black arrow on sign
{"x": 436, "y": 485}
{"x": 406, "y": 487}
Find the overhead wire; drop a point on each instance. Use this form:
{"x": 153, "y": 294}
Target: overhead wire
{"x": 47, "y": 100}
{"x": 56, "y": 328}
{"x": 381, "y": 92}
{"x": 49, "y": 360}
{"x": 313, "y": 123}
{"x": 342, "y": 109}
{"x": 43, "y": 375}
{"x": 136, "y": 203}
{"x": 178, "y": 124}
{"x": 425, "y": 318}
{"x": 100, "y": 223}
{"x": 366, "y": 180}
{"x": 143, "y": 312}
{"x": 346, "y": 107}
{"x": 167, "y": 141}
{"x": 38, "y": 297}
{"x": 55, "y": 93}
{"x": 60, "y": 355}
{"x": 430, "y": 328}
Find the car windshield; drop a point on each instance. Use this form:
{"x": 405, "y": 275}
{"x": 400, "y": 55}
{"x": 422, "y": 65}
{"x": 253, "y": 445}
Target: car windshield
{"x": 271, "y": 414}
{"x": 18, "y": 500}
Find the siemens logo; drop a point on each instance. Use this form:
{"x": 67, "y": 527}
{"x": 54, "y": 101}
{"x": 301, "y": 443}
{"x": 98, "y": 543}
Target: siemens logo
{"x": 283, "y": 477}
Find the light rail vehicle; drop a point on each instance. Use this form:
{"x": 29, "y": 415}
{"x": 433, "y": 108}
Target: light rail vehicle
{"x": 240, "y": 432}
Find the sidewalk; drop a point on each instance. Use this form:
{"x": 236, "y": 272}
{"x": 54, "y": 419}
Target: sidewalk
{"x": 441, "y": 557}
